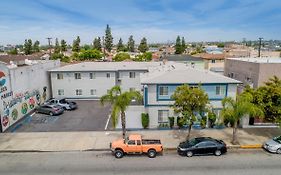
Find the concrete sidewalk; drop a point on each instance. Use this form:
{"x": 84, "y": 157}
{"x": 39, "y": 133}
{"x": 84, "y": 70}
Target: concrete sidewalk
{"x": 83, "y": 141}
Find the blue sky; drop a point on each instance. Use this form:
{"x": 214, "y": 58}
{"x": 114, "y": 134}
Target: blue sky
{"x": 158, "y": 20}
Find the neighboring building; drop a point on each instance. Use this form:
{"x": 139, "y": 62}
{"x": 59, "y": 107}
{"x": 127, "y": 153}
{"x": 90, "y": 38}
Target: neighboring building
{"x": 212, "y": 60}
{"x": 159, "y": 85}
{"x": 214, "y": 50}
{"x": 91, "y": 80}
{"x": 265, "y": 54}
{"x": 23, "y": 85}
{"x": 196, "y": 62}
{"x": 252, "y": 71}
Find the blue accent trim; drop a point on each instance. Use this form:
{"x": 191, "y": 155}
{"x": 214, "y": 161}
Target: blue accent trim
{"x": 145, "y": 97}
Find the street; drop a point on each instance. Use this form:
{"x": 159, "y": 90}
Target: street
{"x": 234, "y": 162}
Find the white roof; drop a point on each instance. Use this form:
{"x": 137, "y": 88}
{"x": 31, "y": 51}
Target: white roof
{"x": 258, "y": 60}
{"x": 180, "y": 73}
{"x": 105, "y": 66}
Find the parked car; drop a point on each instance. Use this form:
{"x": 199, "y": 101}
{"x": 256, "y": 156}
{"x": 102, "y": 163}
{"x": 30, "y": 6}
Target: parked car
{"x": 67, "y": 105}
{"x": 202, "y": 146}
{"x": 273, "y": 145}
{"x": 50, "y": 109}
{"x": 134, "y": 144}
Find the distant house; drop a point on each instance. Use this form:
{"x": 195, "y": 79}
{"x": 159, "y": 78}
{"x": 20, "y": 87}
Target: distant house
{"x": 212, "y": 60}
{"x": 187, "y": 59}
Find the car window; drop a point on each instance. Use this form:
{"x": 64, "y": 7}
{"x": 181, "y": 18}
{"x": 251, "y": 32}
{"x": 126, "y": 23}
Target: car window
{"x": 277, "y": 139}
{"x": 193, "y": 142}
{"x": 201, "y": 144}
{"x": 138, "y": 142}
{"x": 131, "y": 142}
{"x": 210, "y": 143}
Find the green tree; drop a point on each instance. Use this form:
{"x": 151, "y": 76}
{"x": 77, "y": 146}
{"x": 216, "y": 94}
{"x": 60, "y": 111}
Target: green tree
{"x": 14, "y": 51}
{"x": 121, "y": 56}
{"x": 147, "y": 56}
{"x": 97, "y": 43}
{"x": 188, "y": 102}
{"x": 234, "y": 110}
{"x": 131, "y": 44}
{"x": 183, "y": 45}
{"x": 36, "y": 46}
{"x": 63, "y": 45}
{"x": 91, "y": 54}
{"x": 221, "y": 45}
{"x": 178, "y": 46}
{"x": 108, "y": 41}
{"x": 120, "y": 46}
{"x": 28, "y": 47}
{"x": 120, "y": 101}
{"x": 143, "y": 47}
{"x": 76, "y": 45}
{"x": 57, "y": 46}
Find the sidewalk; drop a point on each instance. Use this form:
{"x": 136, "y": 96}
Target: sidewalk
{"x": 82, "y": 141}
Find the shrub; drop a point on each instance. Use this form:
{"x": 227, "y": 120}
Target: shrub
{"x": 203, "y": 122}
{"x": 171, "y": 121}
{"x": 180, "y": 122}
{"x": 145, "y": 120}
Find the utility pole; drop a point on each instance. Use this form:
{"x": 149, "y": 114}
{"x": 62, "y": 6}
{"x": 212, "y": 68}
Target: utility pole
{"x": 49, "y": 42}
{"x": 260, "y": 39}
{"x": 103, "y": 43}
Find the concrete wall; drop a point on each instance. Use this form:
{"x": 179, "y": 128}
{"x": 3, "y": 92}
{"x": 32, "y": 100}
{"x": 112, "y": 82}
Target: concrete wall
{"x": 127, "y": 82}
{"x": 268, "y": 70}
{"x": 133, "y": 117}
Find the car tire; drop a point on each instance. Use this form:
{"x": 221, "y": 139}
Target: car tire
{"x": 278, "y": 151}
{"x": 218, "y": 152}
{"x": 189, "y": 153}
{"x": 51, "y": 113}
{"x": 151, "y": 153}
{"x": 119, "y": 154}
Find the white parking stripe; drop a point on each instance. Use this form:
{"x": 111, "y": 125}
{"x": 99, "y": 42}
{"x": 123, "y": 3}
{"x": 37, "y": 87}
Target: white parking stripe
{"x": 106, "y": 125}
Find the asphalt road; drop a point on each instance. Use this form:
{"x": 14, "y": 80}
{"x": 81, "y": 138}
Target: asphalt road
{"x": 101, "y": 163}
{"x": 90, "y": 116}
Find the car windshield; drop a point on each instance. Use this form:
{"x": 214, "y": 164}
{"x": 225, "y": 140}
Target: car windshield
{"x": 193, "y": 142}
{"x": 277, "y": 139}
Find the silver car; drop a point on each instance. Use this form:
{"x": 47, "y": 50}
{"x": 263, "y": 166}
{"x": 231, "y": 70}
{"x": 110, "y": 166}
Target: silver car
{"x": 65, "y": 104}
{"x": 273, "y": 145}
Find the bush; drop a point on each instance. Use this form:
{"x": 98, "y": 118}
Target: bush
{"x": 180, "y": 122}
{"x": 203, "y": 122}
{"x": 145, "y": 120}
{"x": 171, "y": 122}
{"x": 121, "y": 56}
{"x": 92, "y": 54}
{"x": 212, "y": 118}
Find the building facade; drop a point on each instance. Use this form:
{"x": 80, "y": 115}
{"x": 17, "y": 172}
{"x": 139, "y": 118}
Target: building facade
{"x": 23, "y": 87}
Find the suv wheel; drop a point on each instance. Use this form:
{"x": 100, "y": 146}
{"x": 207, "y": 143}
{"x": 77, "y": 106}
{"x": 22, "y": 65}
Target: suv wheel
{"x": 151, "y": 153}
{"x": 118, "y": 154}
{"x": 218, "y": 152}
{"x": 189, "y": 153}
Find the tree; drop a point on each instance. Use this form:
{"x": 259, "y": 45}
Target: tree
{"x": 220, "y": 45}
{"x": 143, "y": 47}
{"x": 14, "y": 51}
{"x": 147, "y": 56}
{"x": 36, "y": 46}
{"x": 97, "y": 43}
{"x": 120, "y": 46}
{"x": 57, "y": 46}
{"x": 28, "y": 47}
{"x": 183, "y": 45}
{"x": 178, "y": 46}
{"x": 131, "y": 44}
{"x": 91, "y": 54}
{"x": 108, "y": 41}
{"x": 188, "y": 102}
{"x": 120, "y": 101}
{"x": 234, "y": 110}
{"x": 76, "y": 45}
{"x": 121, "y": 56}
{"x": 63, "y": 45}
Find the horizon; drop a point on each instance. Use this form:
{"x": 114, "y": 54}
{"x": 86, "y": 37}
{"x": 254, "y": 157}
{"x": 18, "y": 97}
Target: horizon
{"x": 160, "y": 22}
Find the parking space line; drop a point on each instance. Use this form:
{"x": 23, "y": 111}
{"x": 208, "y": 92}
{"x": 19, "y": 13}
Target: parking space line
{"x": 106, "y": 125}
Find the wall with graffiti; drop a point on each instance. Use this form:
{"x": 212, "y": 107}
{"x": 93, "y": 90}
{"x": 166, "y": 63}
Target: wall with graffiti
{"x": 15, "y": 105}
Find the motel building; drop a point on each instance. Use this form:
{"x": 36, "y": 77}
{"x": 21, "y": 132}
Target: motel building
{"x": 23, "y": 86}
{"x": 156, "y": 80}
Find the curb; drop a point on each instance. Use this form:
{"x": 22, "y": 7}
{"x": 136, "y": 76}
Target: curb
{"x": 256, "y": 146}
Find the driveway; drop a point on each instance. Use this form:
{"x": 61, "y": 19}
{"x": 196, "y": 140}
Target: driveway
{"x": 90, "y": 116}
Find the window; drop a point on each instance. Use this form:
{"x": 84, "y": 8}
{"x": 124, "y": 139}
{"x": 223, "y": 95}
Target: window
{"x": 132, "y": 89}
{"x": 163, "y": 116}
{"x": 163, "y": 90}
{"x": 59, "y": 76}
{"x": 93, "y": 92}
{"x": 77, "y": 76}
{"x": 138, "y": 142}
{"x": 107, "y": 75}
{"x": 213, "y": 61}
{"x": 78, "y": 91}
{"x": 132, "y": 74}
{"x": 220, "y": 90}
{"x": 131, "y": 142}
{"x": 92, "y": 75}
{"x": 60, "y": 92}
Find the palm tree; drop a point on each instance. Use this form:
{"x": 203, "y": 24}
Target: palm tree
{"x": 120, "y": 101}
{"x": 234, "y": 110}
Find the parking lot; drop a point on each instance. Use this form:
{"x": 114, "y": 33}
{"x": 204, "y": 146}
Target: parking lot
{"x": 90, "y": 116}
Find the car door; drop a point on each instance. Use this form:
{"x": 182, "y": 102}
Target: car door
{"x": 210, "y": 147}
{"x": 199, "y": 148}
{"x": 132, "y": 146}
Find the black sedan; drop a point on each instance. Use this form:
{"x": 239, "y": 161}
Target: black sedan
{"x": 202, "y": 146}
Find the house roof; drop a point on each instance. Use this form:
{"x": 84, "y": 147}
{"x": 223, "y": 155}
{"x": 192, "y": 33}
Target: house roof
{"x": 208, "y": 56}
{"x": 181, "y": 58}
{"x": 105, "y": 66}
{"x": 189, "y": 75}
{"x": 19, "y": 58}
{"x": 258, "y": 60}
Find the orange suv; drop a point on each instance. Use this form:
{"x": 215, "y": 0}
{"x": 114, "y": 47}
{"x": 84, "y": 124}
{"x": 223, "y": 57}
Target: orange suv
{"x": 134, "y": 144}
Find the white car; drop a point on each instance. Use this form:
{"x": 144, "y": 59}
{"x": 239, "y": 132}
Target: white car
{"x": 273, "y": 145}
{"x": 67, "y": 105}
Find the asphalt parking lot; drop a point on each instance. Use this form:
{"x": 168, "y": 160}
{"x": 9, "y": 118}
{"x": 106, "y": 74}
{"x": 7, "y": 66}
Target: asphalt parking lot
{"x": 90, "y": 116}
